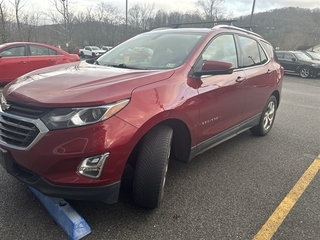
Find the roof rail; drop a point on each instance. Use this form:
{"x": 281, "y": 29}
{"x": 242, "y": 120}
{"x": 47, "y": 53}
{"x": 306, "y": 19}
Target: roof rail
{"x": 160, "y": 28}
{"x": 177, "y": 25}
{"x": 237, "y": 28}
{"x": 249, "y": 27}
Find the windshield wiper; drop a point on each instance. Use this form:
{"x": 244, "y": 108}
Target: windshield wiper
{"x": 122, "y": 65}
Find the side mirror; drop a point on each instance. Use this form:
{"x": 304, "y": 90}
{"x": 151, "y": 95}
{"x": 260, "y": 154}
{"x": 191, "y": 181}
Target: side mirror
{"x": 213, "y": 67}
{"x": 293, "y": 59}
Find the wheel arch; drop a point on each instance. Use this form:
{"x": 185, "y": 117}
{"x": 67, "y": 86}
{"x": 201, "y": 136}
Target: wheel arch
{"x": 181, "y": 146}
{"x": 276, "y": 93}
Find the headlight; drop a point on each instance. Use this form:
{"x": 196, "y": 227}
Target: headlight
{"x": 74, "y": 117}
{"x": 315, "y": 65}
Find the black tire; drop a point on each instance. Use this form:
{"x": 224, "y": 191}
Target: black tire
{"x": 93, "y": 55}
{"x": 151, "y": 167}
{"x": 305, "y": 72}
{"x": 267, "y": 118}
{"x": 82, "y": 54}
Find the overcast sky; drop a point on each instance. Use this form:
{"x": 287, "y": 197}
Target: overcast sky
{"x": 235, "y": 8}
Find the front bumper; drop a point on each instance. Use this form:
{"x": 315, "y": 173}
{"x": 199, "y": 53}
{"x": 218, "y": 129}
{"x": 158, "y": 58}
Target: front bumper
{"x": 108, "y": 193}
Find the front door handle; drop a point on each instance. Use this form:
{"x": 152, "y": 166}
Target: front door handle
{"x": 240, "y": 79}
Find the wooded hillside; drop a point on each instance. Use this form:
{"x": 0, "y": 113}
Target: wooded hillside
{"x": 286, "y": 28}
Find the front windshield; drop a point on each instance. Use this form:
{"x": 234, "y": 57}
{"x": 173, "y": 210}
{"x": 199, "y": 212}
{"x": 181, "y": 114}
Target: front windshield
{"x": 152, "y": 50}
{"x": 314, "y": 55}
{"x": 302, "y": 56}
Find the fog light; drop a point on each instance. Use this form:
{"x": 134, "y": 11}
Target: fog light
{"x": 92, "y": 166}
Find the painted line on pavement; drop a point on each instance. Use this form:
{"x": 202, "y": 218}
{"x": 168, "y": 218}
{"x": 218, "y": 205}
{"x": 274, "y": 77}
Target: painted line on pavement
{"x": 278, "y": 216}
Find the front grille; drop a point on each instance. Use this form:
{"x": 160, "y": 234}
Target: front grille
{"x": 17, "y": 132}
{"x": 26, "y": 111}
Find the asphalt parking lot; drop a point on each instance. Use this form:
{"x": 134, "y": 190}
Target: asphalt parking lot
{"x": 246, "y": 188}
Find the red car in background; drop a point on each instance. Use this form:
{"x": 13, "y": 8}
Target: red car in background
{"x": 19, "y": 58}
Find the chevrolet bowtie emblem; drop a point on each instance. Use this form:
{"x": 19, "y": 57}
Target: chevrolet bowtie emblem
{"x": 4, "y": 105}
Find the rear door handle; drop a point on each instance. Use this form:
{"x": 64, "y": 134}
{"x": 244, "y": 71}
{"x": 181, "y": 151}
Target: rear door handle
{"x": 22, "y": 62}
{"x": 240, "y": 79}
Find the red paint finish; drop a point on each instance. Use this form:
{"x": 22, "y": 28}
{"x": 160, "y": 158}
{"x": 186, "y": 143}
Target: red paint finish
{"x": 206, "y": 105}
{"x": 19, "y": 58}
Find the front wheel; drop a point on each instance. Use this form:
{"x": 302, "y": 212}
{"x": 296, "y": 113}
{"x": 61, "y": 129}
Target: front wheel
{"x": 151, "y": 167}
{"x": 267, "y": 118}
{"x": 305, "y": 72}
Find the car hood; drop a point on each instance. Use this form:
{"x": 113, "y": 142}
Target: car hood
{"x": 79, "y": 84}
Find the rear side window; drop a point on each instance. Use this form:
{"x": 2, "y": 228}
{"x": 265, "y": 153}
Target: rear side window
{"x": 38, "y": 50}
{"x": 252, "y": 53}
{"x": 280, "y": 55}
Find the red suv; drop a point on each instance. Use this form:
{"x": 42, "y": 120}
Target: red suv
{"x": 70, "y": 130}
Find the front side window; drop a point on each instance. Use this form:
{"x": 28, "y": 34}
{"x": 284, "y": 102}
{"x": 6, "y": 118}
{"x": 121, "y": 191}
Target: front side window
{"x": 153, "y": 50}
{"x": 302, "y": 57}
{"x": 222, "y": 48}
{"x": 13, "y": 52}
{"x": 289, "y": 57}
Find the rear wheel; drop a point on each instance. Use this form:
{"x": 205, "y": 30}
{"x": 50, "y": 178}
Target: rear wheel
{"x": 305, "y": 72}
{"x": 82, "y": 54}
{"x": 151, "y": 167}
{"x": 267, "y": 118}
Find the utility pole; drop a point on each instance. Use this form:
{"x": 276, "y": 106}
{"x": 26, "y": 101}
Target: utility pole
{"x": 65, "y": 4}
{"x": 126, "y": 19}
{"x": 253, "y": 5}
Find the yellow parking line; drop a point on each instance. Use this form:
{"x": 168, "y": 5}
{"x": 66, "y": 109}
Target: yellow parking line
{"x": 278, "y": 216}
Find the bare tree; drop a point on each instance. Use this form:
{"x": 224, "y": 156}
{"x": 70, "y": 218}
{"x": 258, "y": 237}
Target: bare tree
{"x": 213, "y": 9}
{"x": 110, "y": 18}
{"x": 30, "y": 24}
{"x": 139, "y": 14}
{"x": 3, "y": 34}
{"x": 18, "y": 5}
{"x": 64, "y": 16}
{"x": 7, "y": 29}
